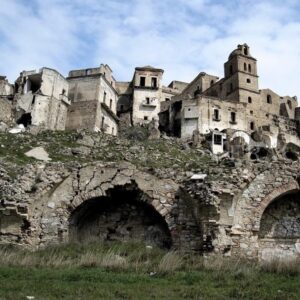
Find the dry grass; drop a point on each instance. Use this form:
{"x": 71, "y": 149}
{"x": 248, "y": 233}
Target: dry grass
{"x": 139, "y": 258}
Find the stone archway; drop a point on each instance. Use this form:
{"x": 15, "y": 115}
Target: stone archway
{"x": 279, "y": 231}
{"x": 124, "y": 214}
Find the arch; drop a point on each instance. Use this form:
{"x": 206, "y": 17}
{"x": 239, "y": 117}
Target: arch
{"x": 249, "y": 68}
{"x": 124, "y": 214}
{"x": 241, "y": 134}
{"x": 279, "y": 232}
{"x": 249, "y": 100}
{"x": 289, "y": 188}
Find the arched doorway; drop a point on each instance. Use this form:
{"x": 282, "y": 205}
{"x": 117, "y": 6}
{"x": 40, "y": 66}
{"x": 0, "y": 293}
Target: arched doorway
{"x": 279, "y": 235}
{"x": 123, "y": 215}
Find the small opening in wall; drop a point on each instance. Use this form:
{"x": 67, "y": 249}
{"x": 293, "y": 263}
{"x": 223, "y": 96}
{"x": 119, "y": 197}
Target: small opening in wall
{"x": 291, "y": 155}
{"x": 269, "y": 99}
{"x": 289, "y": 103}
{"x": 147, "y": 100}
{"x": 211, "y": 82}
{"x": 252, "y": 125}
{"x": 233, "y": 117}
{"x": 110, "y": 103}
{"x": 246, "y": 51}
{"x": 216, "y": 116}
{"x": 217, "y": 139}
{"x": 142, "y": 81}
{"x": 248, "y": 80}
{"x": 249, "y": 68}
{"x": 245, "y": 67}
{"x": 104, "y": 97}
{"x": 145, "y": 118}
{"x": 154, "y": 82}
{"x": 251, "y": 112}
{"x": 249, "y": 100}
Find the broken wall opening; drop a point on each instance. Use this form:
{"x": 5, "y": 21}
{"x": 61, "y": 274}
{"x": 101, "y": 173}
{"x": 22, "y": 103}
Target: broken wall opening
{"x": 25, "y": 119}
{"x": 33, "y": 83}
{"x": 280, "y": 228}
{"x": 121, "y": 216}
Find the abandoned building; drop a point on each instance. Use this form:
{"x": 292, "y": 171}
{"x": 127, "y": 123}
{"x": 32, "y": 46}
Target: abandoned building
{"x": 41, "y": 99}
{"x": 93, "y": 100}
{"x": 233, "y": 109}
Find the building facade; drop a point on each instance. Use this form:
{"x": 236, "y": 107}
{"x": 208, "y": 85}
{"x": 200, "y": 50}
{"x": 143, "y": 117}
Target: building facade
{"x": 93, "y": 100}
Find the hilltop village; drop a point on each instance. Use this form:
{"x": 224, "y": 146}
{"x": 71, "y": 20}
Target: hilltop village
{"x": 230, "y": 113}
{"x": 218, "y": 172}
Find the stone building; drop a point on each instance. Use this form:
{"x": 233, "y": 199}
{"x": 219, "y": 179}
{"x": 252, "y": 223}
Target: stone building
{"x": 209, "y": 105}
{"x": 93, "y": 100}
{"x": 142, "y": 97}
{"x": 6, "y": 96}
{"x": 41, "y": 99}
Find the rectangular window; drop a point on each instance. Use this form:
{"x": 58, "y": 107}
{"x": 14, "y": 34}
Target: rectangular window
{"x": 104, "y": 97}
{"x": 154, "y": 82}
{"x": 147, "y": 100}
{"x": 217, "y": 139}
{"x": 216, "y": 115}
{"x": 233, "y": 117}
{"x": 142, "y": 81}
{"x": 145, "y": 118}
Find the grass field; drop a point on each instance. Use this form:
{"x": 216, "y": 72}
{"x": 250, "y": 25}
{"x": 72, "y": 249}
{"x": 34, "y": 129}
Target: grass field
{"x": 135, "y": 272}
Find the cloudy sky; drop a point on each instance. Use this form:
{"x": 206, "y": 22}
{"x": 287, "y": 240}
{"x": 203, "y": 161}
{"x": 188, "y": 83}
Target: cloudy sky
{"x": 184, "y": 37}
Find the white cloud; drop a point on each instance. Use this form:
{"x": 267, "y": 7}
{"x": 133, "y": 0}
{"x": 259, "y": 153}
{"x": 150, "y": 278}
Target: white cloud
{"x": 183, "y": 37}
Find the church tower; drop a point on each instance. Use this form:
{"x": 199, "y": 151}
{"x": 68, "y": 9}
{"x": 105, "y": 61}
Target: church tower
{"x": 241, "y": 80}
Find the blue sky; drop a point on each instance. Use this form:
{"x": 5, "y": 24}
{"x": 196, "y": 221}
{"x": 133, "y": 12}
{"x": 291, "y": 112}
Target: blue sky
{"x": 184, "y": 37}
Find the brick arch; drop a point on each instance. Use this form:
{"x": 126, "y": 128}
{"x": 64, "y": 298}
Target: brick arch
{"x": 95, "y": 181}
{"x": 273, "y": 196}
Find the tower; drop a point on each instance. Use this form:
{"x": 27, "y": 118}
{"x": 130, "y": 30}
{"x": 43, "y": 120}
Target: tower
{"x": 241, "y": 80}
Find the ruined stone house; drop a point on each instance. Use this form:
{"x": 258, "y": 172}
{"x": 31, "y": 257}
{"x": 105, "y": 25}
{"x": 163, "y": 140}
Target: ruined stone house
{"x": 233, "y": 107}
{"x": 93, "y": 100}
{"x": 41, "y": 99}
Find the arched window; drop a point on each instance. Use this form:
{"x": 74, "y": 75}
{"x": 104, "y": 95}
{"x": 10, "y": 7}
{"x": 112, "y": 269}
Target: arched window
{"x": 246, "y": 51}
{"x": 252, "y": 125}
{"x": 269, "y": 99}
{"x": 245, "y": 67}
{"x": 249, "y": 68}
{"x": 249, "y": 100}
{"x": 230, "y": 70}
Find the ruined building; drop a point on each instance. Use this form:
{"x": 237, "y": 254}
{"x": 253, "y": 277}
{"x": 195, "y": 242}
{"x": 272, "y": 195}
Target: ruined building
{"x": 233, "y": 110}
{"x": 93, "y": 100}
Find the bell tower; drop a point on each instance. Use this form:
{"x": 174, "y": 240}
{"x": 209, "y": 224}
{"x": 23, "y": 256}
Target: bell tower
{"x": 241, "y": 75}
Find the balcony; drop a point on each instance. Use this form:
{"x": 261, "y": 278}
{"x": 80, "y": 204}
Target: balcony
{"x": 150, "y": 103}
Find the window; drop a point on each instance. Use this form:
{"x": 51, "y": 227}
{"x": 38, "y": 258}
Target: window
{"x": 245, "y": 67}
{"x": 251, "y": 112}
{"x": 249, "y": 100}
{"x": 104, "y": 97}
{"x": 248, "y": 80}
{"x": 110, "y": 103}
{"x": 246, "y": 51}
{"x": 147, "y": 100}
{"x": 252, "y": 126}
{"x": 249, "y": 68}
{"x": 212, "y": 82}
{"x": 269, "y": 99}
{"x": 142, "y": 81}
{"x": 167, "y": 99}
{"x": 289, "y": 103}
{"x": 145, "y": 118}
{"x": 217, "y": 139}
{"x": 233, "y": 117}
{"x": 154, "y": 82}
{"x": 102, "y": 122}
{"x": 230, "y": 70}
{"x": 216, "y": 116}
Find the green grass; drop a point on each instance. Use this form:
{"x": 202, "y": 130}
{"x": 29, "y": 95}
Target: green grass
{"x": 132, "y": 271}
